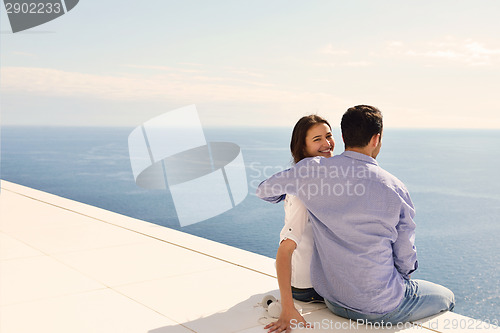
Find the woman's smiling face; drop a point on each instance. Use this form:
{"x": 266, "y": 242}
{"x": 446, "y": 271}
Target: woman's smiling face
{"x": 319, "y": 141}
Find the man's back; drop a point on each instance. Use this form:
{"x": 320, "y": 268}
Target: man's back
{"x": 363, "y": 230}
{"x": 362, "y": 219}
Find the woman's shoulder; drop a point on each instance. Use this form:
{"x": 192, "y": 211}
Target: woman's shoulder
{"x": 292, "y": 200}
{"x": 293, "y": 205}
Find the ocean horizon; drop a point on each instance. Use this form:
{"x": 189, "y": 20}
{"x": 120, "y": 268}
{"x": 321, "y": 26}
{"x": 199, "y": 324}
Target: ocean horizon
{"x": 451, "y": 175}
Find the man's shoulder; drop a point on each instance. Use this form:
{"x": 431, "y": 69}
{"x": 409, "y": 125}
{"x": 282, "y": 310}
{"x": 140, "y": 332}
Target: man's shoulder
{"x": 390, "y": 180}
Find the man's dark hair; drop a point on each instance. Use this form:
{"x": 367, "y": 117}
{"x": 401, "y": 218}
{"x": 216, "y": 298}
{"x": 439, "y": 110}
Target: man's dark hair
{"x": 359, "y": 124}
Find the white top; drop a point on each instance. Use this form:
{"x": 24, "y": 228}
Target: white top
{"x": 298, "y": 228}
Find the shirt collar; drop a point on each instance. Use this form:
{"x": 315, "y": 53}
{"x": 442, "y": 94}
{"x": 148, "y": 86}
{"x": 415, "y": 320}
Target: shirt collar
{"x": 359, "y": 156}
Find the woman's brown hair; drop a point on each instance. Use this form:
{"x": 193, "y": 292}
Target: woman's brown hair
{"x": 298, "y": 141}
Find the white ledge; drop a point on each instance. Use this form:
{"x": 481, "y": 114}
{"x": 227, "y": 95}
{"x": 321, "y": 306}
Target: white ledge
{"x": 70, "y": 267}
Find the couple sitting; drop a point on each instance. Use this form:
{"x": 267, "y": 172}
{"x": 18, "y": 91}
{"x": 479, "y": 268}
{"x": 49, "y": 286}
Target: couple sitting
{"x": 361, "y": 219}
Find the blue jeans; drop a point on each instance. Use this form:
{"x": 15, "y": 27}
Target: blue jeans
{"x": 421, "y": 299}
{"x": 306, "y": 295}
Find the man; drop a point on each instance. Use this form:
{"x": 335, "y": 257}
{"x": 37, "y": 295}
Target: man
{"x": 362, "y": 220}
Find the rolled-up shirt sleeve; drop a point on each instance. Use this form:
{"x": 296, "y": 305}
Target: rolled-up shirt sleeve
{"x": 275, "y": 188}
{"x": 404, "y": 250}
{"x": 296, "y": 219}
{"x": 267, "y": 192}
{"x": 289, "y": 181}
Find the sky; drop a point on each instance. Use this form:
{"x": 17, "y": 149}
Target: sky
{"x": 424, "y": 64}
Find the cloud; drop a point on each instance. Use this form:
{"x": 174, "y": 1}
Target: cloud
{"x": 165, "y": 86}
{"x": 165, "y": 68}
{"x": 352, "y": 64}
{"x": 356, "y": 63}
{"x": 165, "y": 83}
{"x": 245, "y": 72}
{"x": 341, "y": 59}
{"x": 24, "y": 54}
{"x": 330, "y": 49}
{"x": 468, "y": 52}
{"x": 395, "y": 43}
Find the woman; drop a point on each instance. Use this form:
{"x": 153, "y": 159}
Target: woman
{"x": 311, "y": 136}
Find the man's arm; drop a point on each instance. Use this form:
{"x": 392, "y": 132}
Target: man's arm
{"x": 277, "y": 186}
{"x": 264, "y": 191}
{"x": 404, "y": 251}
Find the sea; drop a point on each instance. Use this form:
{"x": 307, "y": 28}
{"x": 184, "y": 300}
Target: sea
{"x": 453, "y": 177}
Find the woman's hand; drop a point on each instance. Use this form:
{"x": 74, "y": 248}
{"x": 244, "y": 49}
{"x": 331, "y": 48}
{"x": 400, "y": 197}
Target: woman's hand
{"x": 287, "y": 319}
